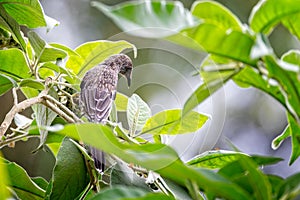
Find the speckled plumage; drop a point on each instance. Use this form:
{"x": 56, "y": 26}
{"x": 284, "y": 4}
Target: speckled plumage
{"x": 98, "y": 86}
{"x": 98, "y": 91}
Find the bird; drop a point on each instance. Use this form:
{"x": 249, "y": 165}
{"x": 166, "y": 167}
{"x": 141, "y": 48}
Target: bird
{"x": 98, "y": 91}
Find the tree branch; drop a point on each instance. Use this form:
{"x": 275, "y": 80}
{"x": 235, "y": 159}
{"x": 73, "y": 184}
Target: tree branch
{"x": 66, "y": 110}
{"x": 44, "y": 99}
{"x": 19, "y": 108}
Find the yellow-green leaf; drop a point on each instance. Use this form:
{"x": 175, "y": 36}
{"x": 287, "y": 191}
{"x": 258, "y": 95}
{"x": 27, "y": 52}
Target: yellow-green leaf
{"x": 171, "y": 122}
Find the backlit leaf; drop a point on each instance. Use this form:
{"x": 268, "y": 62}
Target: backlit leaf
{"x": 171, "y": 122}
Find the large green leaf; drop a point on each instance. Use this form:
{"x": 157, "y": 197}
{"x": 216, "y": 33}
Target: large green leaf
{"x": 59, "y": 69}
{"x": 250, "y": 76}
{"x": 93, "y": 53}
{"x": 149, "y": 18}
{"x": 205, "y": 90}
{"x": 32, "y": 83}
{"x": 295, "y": 135}
{"x": 287, "y": 77}
{"x": 172, "y": 122}
{"x": 4, "y": 180}
{"x": 247, "y": 174}
{"x": 214, "y": 13}
{"x": 215, "y": 159}
{"x": 13, "y": 64}
{"x": 289, "y": 188}
{"x": 69, "y": 51}
{"x": 268, "y": 13}
{"x": 70, "y": 174}
{"x": 43, "y": 51}
{"x": 157, "y": 157}
{"x": 123, "y": 175}
{"x": 5, "y": 84}
{"x": 121, "y": 102}
{"x": 9, "y": 24}
{"x": 275, "y": 182}
{"x": 25, "y": 12}
{"x": 21, "y": 183}
{"x": 138, "y": 112}
{"x": 292, "y": 24}
{"x": 232, "y": 44}
{"x": 119, "y": 193}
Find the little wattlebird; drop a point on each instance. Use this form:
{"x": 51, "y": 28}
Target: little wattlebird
{"x": 98, "y": 91}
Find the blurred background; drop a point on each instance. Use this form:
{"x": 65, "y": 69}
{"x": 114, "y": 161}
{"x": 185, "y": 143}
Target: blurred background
{"x": 164, "y": 77}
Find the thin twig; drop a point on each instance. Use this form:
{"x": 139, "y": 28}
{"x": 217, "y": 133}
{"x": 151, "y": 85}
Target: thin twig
{"x": 15, "y": 139}
{"x": 57, "y": 110}
{"x": 15, "y": 96}
{"x": 63, "y": 108}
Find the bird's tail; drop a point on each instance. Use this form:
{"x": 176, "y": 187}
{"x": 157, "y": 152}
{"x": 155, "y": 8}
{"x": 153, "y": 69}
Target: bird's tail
{"x": 99, "y": 158}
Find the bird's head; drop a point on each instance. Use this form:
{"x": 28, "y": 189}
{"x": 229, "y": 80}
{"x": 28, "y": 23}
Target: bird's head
{"x": 125, "y": 65}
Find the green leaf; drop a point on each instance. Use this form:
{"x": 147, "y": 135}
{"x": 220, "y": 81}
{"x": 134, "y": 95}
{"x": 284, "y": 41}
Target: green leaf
{"x": 215, "y": 159}
{"x": 287, "y": 77}
{"x": 290, "y": 187}
{"x": 178, "y": 191}
{"x": 172, "y": 122}
{"x": 25, "y": 12}
{"x": 292, "y": 57}
{"x": 13, "y": 64}
{"x": 4, "y": 180}
{"x": 268, "y": 13}
{"x": 41, "y": 182}
{"x": 295, "y": 136}
{"x": 205, "y": 90}
{"x": 68, "y": 50}
{"x": 246, "y": 173}
{"x": 32, "y": 84}
{"x": 276, "y": 183}
{"x": 265, "y": 160}
{"x": 113, "y": 115}
{"x": 214, "y": 13}
{"x": 93, "y": 53}
{"x": 157, "y": 157}
{"x": 121, "y": 102}
{"x": 232, "y": 44}
{"x": 5, "y": 84}
{"x": 44, "y": 117}
{"x": 152, "y": 196}
{"x": 137, "y": 113}
{"x": 70, "y": 174}
{"x": 119, "y": 193}
{"x": 251, "y": 77}
{"x": 149, "y": 18}
{"x": 122, "y": 175}
{"x": 56, "y": 68}
{"x": 280, "y": 138}
{"x": 292, "y": 24}
{"x": 21, "y": 183}
{"x": 9, "y": 24}
{"x": 43, "y": 51}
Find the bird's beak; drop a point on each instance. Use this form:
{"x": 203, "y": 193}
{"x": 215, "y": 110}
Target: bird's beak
{"x": 128, "y": 77}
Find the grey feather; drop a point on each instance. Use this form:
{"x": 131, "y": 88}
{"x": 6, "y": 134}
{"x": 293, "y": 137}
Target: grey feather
{"x": 98, "y": 91}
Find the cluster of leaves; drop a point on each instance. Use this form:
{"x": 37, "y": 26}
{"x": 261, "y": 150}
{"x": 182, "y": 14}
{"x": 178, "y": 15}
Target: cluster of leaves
{"x": 49, "y": 76}
{"x": 238, "y": 52}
